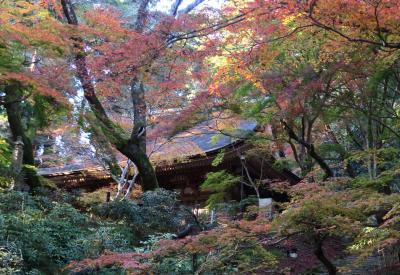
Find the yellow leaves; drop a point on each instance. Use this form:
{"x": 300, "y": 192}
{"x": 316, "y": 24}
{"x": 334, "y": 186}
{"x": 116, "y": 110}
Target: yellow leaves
{"x": 217, "y": 61}
{"x": 251, "y": 77}
{"x": 25, "y": 5}
{"x": 235, "y": 7}
{"x": 5, "y": 152}
{"x": 231, "y": 72}
{"x": 293, "y": 18}
{"x": 21, "y": 10}
{"x": 222, "y": 76}
{"x": 288, "y": 20}
{"x": 42, "y": 14}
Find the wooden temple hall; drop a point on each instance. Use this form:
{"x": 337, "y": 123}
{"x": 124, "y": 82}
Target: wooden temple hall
{"x": 181, "y": 164}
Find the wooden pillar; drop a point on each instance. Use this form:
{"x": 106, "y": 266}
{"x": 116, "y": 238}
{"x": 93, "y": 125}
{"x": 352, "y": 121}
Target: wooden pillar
{"x": 108, "y": 198}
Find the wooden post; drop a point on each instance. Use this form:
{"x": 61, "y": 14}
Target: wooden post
{"x": 265, "y": 208}
{"x": 212, "y": 217}
{"x": 108, "y": 197}
{"x": 194, "y": 263}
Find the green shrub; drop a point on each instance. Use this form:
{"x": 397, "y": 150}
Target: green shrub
{"x": 284, "y": 163}
{"x": 112, "y": 237}
{"x": 7, "y": 178}
{"x": 380, "y": 183}
{"x": 10, "y": 260}
{"x": 158, "y": 212}
{"x": 5, "y": 153}
{"x": 50, "y": 234}
{"x": 47, "y": 240}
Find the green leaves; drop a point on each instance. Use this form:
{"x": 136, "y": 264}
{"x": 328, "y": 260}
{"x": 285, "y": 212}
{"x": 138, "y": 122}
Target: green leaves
{"x": 5, "y": 161}
{"x": 250, "y": 103}
{"x": 11, "y": 59}
{"x": 284, "y": 163}
{"x": 46, "y": 240}
{"x": 219, "y": 158}
{"x": 218, "y": 183}
{"x": 50, "y": 234}
{"x": 243, "y": 90}
{"x": 157, "y": 213}
{"x": 5, "y": 153}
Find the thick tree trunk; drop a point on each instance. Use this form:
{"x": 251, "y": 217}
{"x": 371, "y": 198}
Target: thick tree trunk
{"x": 13, "y": 107}
{"x": 319, "y": 253}
{"x": 132, "y": 150}
{"x": 14, "y": 116}
{"x": 133, "y": 147}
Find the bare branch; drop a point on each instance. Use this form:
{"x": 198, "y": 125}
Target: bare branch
{"x": 175, "y": 6}
{"x": 190, "y": 7}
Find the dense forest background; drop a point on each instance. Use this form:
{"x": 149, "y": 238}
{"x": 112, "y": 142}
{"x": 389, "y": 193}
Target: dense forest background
{"x": 312, "y": 87}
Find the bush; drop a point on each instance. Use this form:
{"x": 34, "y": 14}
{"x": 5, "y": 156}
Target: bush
{"x": 47, "y": 240}
{"x": 10, "y": 260}
{"x": 90, "y": 200}
{"x": 50, "y": 234}
{"x": 112, "y": 237}
{"x": 5, "y": 153}
{"x": 223, "y": 250}
{"x": 7, "y": 178}
{"x": 158, "y": 212}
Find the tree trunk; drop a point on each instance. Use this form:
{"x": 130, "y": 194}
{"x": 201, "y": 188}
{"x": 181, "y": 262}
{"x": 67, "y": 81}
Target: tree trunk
{"x": 14, "y": 116}
{"x": 16, "y": 164}
{"x": 132, "y": 147}
{"x": 310, "y": 150}
{"x": 13, "y": 107}
{"x": 319, "y": 253}
{"x": 139, "y": 112}
{"x": 133, "y": 151}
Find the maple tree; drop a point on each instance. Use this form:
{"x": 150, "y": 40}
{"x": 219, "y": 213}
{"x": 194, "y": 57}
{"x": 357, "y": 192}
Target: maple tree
{"x": 295, "y": 76}
{"x": 130, "y": 68}
{"x": 25, "y": 39}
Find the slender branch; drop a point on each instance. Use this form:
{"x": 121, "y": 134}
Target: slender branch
{"x": 175, "y": 6}
{"x": 190, "y": 7}
{"x": 383, "y": 43}
{"x": 310, "y": 149}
